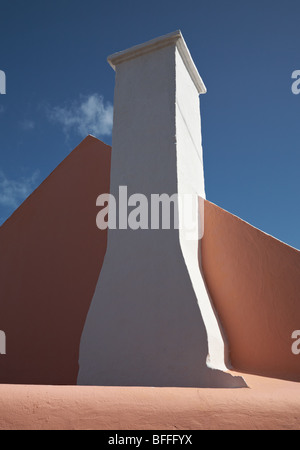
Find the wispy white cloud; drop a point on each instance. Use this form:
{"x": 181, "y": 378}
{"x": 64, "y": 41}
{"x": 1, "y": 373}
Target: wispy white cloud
{"x": 89, "y": 115}
{"x": 27, "y": 125}
{"x": 14, "y": 192}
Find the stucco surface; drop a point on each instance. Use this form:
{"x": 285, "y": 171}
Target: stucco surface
{"x": 254, "y": 281}
{"x": 151, "y": 321}
{"x": 268, "y": 404}
{"x": 51, "y": 254}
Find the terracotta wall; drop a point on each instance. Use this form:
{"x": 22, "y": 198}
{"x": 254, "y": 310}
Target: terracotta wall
{"x": 51, "y": 254}
{"x": 254, "y": 281}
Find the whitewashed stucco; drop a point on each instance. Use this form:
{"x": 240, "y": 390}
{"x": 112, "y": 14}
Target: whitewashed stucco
{"x": 151, "y": 322}
{"x": 190, "y": 175}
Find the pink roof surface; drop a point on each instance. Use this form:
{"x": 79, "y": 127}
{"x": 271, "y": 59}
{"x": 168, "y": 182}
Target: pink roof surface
{"x": 52, "y": 254}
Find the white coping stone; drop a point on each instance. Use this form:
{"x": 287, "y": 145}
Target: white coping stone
{"x": 154, "y": 45}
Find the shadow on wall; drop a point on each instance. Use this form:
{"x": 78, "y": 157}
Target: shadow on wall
{"x": 51, "y": 254}
{"x": 254, "y": 281}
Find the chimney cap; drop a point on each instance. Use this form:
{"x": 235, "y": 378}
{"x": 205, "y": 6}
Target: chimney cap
{"x": 174, "y": 38}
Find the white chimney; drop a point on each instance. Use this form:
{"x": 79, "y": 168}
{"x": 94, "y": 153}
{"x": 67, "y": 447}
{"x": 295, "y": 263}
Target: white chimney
{"x": 151, "y": 322}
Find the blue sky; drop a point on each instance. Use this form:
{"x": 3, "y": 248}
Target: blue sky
{"x": 60, "y": 88}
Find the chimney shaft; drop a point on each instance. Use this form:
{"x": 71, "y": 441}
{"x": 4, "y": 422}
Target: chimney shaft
{"x": 146, "y": 323}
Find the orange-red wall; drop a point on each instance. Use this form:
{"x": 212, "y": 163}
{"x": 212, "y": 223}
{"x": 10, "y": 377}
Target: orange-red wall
{"x": 51, "y": 254}
{"x": 254, "y": 281}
